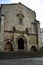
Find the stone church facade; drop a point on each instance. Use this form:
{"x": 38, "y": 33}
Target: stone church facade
{"x": 19, "y": 29}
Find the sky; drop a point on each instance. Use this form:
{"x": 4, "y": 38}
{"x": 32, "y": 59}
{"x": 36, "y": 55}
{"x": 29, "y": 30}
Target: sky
{"x": 35, "y": 5}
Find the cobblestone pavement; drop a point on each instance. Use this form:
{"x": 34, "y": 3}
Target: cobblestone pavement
{"x": 29, "y": 61}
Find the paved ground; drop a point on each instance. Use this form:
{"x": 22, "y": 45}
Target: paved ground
{"x": 29, "y": 61}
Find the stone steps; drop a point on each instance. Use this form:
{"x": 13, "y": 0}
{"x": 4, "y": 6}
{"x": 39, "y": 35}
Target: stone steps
{"x": 18, "y": 55}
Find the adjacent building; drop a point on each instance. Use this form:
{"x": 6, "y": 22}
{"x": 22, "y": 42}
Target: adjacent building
{"x": 19, "y": 29}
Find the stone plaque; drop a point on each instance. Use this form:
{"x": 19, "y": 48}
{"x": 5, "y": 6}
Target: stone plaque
{"x": 32, "y": 39}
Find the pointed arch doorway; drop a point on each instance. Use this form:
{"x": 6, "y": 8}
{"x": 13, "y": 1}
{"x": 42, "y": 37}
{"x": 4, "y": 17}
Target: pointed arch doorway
{"x": 8, "y": 46}
{"x": 20, "y": 43}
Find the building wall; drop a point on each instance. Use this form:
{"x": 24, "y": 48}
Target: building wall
{"x": 10, "y": 12}
{"x": 11, "y": 20}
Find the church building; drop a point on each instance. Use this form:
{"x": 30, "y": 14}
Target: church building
{"x": 19, "y": 29}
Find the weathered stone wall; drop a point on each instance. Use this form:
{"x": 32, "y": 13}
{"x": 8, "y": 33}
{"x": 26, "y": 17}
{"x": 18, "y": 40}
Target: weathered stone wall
{"x": 11, "y": 20}
{"x": 10, "y": 12}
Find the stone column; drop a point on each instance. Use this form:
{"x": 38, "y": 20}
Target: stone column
{"x": 2, "y": 23}
{"x": 2, "y": 30}
{"x": 39, "y": 35}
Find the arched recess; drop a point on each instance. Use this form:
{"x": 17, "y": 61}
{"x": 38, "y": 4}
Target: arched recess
{"x": 33, "y": 48}
{"x": 21, "y": 42}
{"x": 8, "y": 45}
